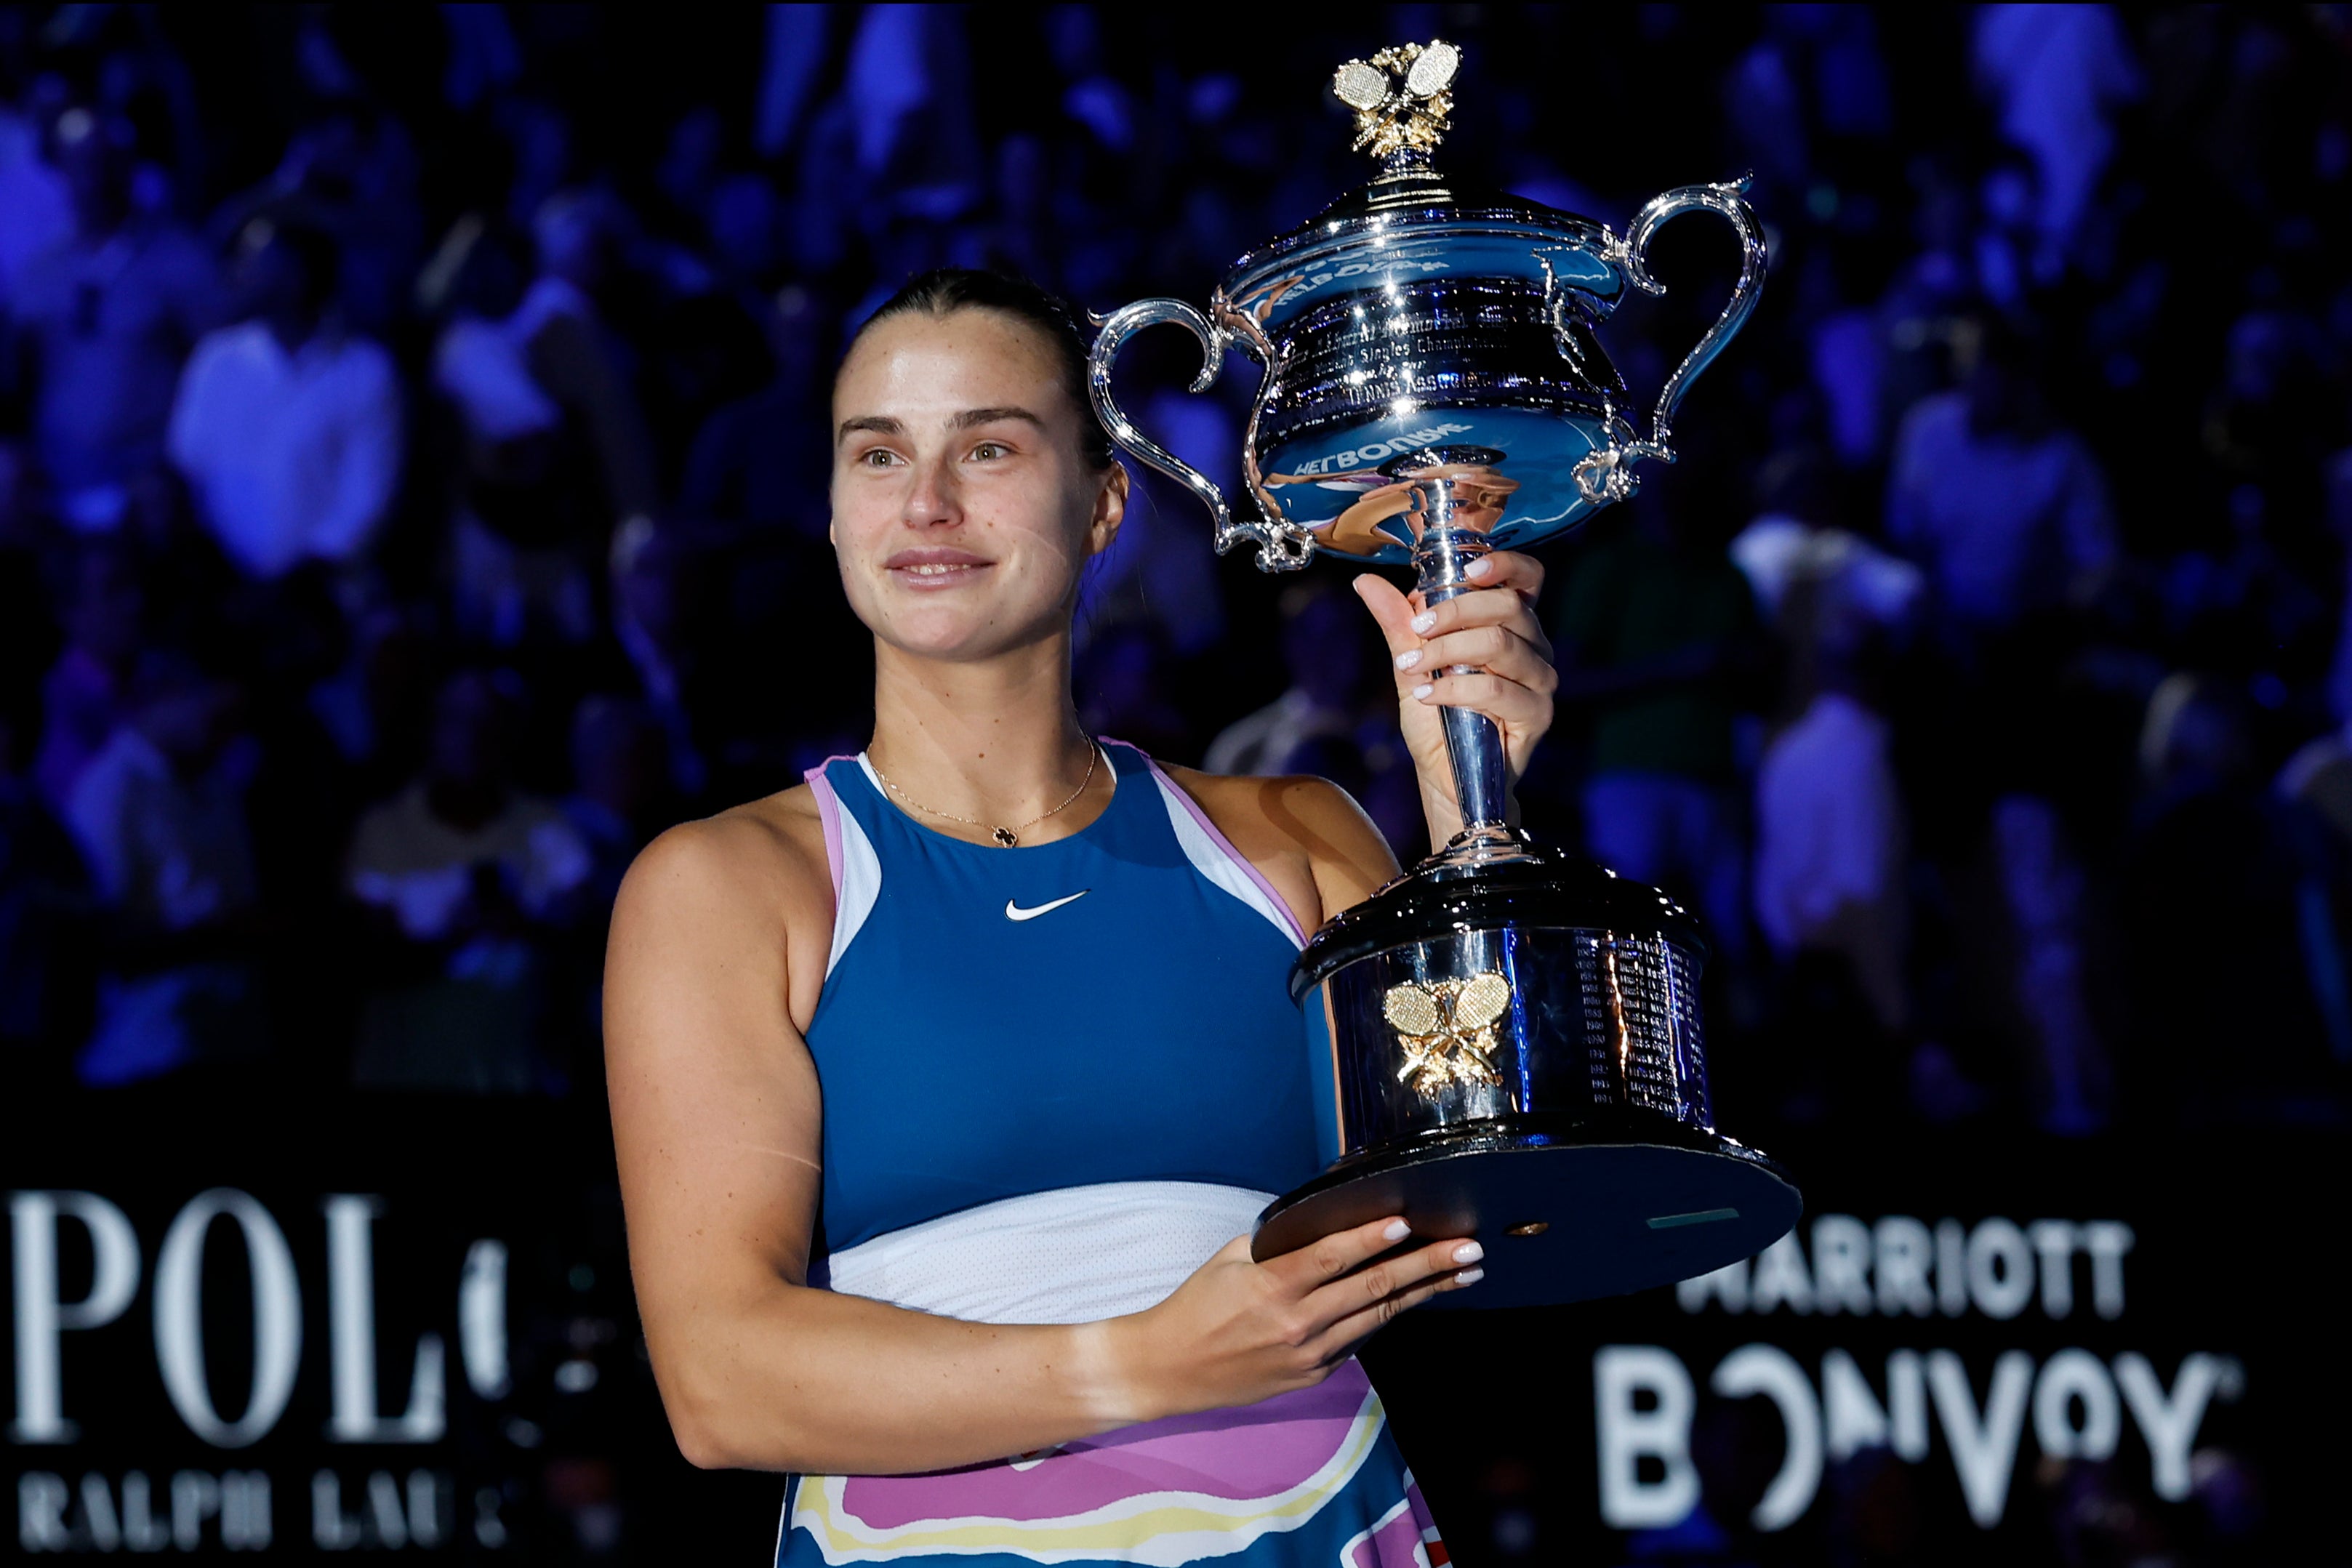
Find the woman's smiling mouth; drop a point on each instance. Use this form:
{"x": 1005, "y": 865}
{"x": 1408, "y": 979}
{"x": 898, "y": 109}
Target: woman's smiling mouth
{"x": 935, "y": 568}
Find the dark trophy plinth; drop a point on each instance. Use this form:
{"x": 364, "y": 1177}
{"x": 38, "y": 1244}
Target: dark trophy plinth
{"x": 1506, "y": 1041}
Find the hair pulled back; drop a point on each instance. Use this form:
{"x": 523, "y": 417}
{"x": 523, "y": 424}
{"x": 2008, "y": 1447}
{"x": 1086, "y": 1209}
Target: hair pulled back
{"x": 944, "y": 289}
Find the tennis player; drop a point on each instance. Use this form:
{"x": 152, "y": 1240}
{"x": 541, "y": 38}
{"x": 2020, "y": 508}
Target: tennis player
{"x": 947, "y": 1084}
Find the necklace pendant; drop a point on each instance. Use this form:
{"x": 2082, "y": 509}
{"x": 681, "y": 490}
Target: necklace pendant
{"x": 1007, "y": 837}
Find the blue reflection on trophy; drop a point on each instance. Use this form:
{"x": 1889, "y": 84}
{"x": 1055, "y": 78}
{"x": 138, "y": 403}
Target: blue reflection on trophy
{"x": 1506, "y": 1041}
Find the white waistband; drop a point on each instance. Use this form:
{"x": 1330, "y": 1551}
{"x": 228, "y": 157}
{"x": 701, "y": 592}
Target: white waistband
{"x": 1073, "y": 1255}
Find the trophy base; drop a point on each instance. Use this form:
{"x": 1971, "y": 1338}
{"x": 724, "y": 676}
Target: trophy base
{"x": 1564, "y": 1217}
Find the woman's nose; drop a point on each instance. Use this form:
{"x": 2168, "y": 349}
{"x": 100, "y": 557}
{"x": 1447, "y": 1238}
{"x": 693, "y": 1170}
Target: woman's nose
{"x": 934, "y": 496}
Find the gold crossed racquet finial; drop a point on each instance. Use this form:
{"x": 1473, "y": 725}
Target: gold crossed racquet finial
{"x": 1401, "y": 96}
{"x": 1447, "y": 1031}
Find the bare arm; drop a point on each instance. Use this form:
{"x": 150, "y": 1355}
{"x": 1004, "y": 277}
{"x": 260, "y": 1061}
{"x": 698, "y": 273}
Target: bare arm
{"x": 718, "y": 949}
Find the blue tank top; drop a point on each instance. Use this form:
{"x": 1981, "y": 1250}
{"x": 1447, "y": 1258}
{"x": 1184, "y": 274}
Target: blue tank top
{"x": 996, "y": 1022}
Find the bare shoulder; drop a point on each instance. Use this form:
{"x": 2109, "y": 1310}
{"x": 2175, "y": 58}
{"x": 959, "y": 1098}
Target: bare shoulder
{"x": 746, "y": 892}
{"x": 1300, "y": 824}
{"x": 1294, "y": 810}
{"x": 766, "y": 855}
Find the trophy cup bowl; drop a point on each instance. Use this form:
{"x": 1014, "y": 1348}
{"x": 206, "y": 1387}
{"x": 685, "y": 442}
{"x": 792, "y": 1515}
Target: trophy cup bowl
{"x": 1504, "y": 1042}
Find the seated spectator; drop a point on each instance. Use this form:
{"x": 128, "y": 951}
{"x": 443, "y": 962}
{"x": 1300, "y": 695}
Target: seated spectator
{"x": 353, "y": 171}
{"x": 2006, "y": 509}
{"x": 107, "y": 318}
{"x": 2213, "y": 851}
{"x": 158, "y": 813}
{"x": 1122, "y": 684}
{"x": 652, "y": 623}
{"x": 557, "y": 454}
{"x": 1830, "y": 840}
{"x": 620, "y": 768}
{"x": 85, "y": 692}
{"x": 1323, "y": 648}
{"x": 466, "y": 871}
{"x": 761, "y": 465}
{"x": 1655, "y": 631}
{"x": 36, "y": 213}
{"x": 287, "y": 428}
{"x": 1162, "y": 567}
{"x": 44, "y": 918}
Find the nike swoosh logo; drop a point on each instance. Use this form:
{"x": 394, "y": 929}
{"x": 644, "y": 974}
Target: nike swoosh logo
{"x": 1014, "y": 912}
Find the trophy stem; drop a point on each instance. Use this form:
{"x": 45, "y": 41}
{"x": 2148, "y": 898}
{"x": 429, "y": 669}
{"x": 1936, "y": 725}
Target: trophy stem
{"x": 1473, "y": 742}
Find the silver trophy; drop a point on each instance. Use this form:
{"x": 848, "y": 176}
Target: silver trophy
{"x": 1505, "y": 1042}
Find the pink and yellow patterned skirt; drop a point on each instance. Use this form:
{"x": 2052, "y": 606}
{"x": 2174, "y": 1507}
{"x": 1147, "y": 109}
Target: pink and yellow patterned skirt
{"x": 1306, "y": 1477}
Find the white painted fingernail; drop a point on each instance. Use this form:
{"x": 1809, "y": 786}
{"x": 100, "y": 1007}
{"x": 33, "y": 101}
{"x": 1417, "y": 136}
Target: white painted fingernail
{"x": 1425, "y": 620}
{"x": 1407, "y": 661}
{"x": 1469, "y": 1275}
{"x": 1422, "y": 691}
{"x": 1478, "y": 568}
{"x": 1397, "y": 1231}
{"x": 1468, "y": 1252}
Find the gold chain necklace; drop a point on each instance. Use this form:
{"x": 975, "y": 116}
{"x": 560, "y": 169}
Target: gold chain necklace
{"x": 1006, "y": 838}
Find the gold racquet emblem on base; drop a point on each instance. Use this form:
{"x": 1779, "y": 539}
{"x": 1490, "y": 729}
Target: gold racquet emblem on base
{"x": 1447, "y": 1031}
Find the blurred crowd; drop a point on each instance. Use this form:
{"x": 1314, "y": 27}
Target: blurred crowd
{"x": 413, "y": 460}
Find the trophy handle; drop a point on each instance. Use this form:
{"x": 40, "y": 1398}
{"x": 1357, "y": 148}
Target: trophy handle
{"x": 1282, "y": 545}
{"x": 1726, "y": 199}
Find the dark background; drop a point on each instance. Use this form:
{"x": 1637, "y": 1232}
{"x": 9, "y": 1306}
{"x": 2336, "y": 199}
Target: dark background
{"x": 1979, "y": 672}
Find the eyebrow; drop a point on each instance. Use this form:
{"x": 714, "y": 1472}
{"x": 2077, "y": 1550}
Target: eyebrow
{"x": 973, "y": 416}
{"x": 883, "y": 425}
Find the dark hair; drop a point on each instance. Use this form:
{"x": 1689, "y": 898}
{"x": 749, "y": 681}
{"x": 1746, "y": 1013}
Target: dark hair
{"x": 309, "y": 244}
{"x": 946, "y": 289}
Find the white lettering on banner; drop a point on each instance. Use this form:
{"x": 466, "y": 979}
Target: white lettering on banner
{"x": 329, "y": 1531}
{"x": 236, "y": 1505}
{"x": 48, "y": 1520}
{"x": 42, "y": 1315}
{"x": 387, "y": 1520}
{"x": 482, "y": 1318}
{"x": 2001, "y": 1268}
{"x": 2170, "y": 1424}
{"x": 1951, "y": 1268}
{"x": 1644, "y": 1405}
{"x": 1628, "y": 1435}
{"x": 1728, "y": 1285}
{"x": 2107, "y": 1240}
{"x": 1852, "y": 1418}
{"x": 1781, "y": 1276}
{"x": 245, "y": 1510}
{"x": 2068, "y": 1378}
{"x": 1904, "y": 1252}
{"x": 1772, "y": 1371}
{"x": 385, "y": 1511}
{"x": 1842, "y": 1265}
{"x": 1898, "y": 1267}
{"x": 141, "y": 1530}
{"x": 195, "y": 1498}
{"x": 350, "y": 1333}
{"x": 179, "y": 1318}
{"x": 41, "y": 1500}
{"x": 98, "y": 1509}
{"x": 1983, "y": 1446}
{"x": 1907, "y": 1405}
{"x": 2053, "y": 1242}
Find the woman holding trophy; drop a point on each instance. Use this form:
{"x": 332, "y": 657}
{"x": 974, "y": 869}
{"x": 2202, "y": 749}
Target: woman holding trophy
{"x": 986, "y": 1029}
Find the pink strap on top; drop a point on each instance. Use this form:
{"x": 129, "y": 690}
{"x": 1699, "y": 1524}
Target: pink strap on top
{"x": 828, "y": 811}
{"x": 1281, "y": 904}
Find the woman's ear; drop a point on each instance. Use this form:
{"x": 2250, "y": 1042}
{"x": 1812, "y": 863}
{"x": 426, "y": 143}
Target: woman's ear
{"x": 1110, "y": 509}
